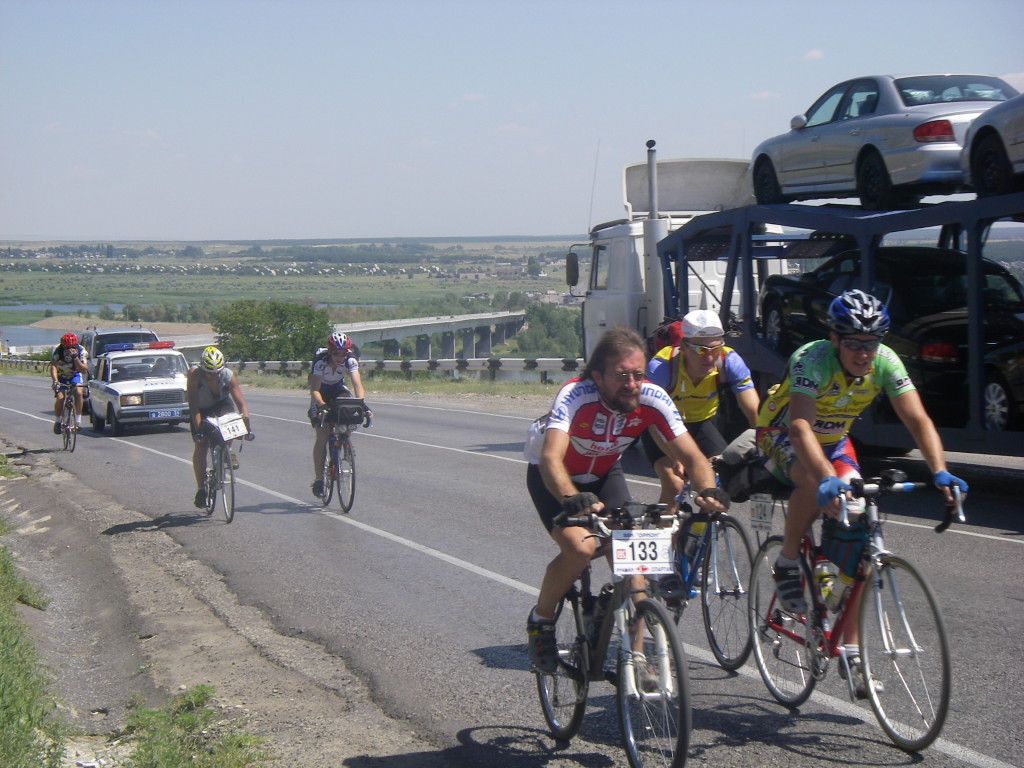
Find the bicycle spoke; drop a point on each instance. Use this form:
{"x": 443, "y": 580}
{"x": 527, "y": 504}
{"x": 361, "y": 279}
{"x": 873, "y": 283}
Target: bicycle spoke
{"x": 724, "y": 585}
{"x": 563, "y": 695}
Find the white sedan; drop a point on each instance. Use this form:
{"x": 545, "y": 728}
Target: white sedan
{"x": 142, "y": 385}
{"x": 993, "y": 156}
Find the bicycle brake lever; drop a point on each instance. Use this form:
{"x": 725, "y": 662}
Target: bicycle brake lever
{"x": 957, "y": 510}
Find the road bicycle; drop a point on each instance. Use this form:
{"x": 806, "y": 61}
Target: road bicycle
{"x": 712, "y": 556}
{"x": 68, "y": 429}
{"x": 339, "y": 470}
{"x": 903, "y": 647}
{"x": 634, "y": 633}
{"x": 221, "y": 431}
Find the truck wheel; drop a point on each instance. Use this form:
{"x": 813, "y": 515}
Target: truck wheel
{"x": 97, "y": 422}
{"x": 766, "y": 184}
{"x": 116, "y": 428}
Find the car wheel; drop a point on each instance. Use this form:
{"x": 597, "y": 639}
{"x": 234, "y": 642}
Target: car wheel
{"x": 773, "y": 327}
{"x": 766, "y": 184}
{"x": 874, "y": 187}
{"x": 991, "y": 173}
{"x": 97, "y": 422}
{"x": 116, "y": 428}
{"x": 1001, "y": 413}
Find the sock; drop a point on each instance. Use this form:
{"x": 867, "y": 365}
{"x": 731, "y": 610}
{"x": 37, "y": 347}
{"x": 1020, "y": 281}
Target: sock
{"x": 539, "y": 619}
{"x": 786, "y": 562}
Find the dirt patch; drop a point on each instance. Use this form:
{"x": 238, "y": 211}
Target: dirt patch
{"x": 75, "y": 323}
{"x": 132, "y": 616}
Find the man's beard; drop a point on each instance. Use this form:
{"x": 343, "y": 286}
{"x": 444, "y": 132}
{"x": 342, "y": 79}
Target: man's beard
{"x": 625, "y": 403}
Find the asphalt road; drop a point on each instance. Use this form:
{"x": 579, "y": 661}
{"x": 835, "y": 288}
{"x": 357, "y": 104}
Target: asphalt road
{"x": 424, "y": 588}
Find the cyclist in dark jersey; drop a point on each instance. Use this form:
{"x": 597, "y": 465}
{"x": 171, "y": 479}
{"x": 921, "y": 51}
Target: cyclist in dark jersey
{"x": 68, "y": 365}
{"x": 575, "y": 465}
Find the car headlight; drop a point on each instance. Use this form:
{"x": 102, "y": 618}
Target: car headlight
{"x": 131, "y": 400}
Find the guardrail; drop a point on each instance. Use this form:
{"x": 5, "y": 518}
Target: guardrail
{"x": 491, "y": 367}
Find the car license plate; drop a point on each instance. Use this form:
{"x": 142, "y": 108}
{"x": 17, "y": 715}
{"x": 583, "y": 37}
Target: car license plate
{"x": 174, "y": 413}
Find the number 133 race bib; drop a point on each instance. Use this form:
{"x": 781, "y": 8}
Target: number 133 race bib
{"x": 645, "y": 552}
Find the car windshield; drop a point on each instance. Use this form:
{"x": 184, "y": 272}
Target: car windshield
{"x": 148, "y": 367}
{"x": 942, "y": 89}
{"x": 122, "y": 338}
{"x": 928, "y": 294}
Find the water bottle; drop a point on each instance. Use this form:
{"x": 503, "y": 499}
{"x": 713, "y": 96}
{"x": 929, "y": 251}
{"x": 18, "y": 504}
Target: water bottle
{"x": 824, "y": 578}
{"x": 837, "y": 594}
{"x": 600, "y": 607}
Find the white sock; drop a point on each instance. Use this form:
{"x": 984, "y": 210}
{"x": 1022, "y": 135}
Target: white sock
{"x": 786, "y": 562}
{"x": 539, "y": 619}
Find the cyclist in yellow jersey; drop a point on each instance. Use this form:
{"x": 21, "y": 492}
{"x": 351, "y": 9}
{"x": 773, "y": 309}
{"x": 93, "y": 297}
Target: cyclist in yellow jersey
{"x": 802, "y": 429}
{"x": 693, "y": 373}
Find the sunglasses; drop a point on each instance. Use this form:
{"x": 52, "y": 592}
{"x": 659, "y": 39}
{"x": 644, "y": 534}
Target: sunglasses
{"x": 703, "y": 349}
{"x": 624, "y": 376}
{"x": 857, "y": 345}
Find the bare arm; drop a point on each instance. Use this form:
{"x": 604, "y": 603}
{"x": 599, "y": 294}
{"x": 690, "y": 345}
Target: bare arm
{"x": 910, "y": 409}
{"x": 357, "y": 384}
{"x": 802, "y": 414}
{"x": 683, "y": 449}
{"x": 314, "y": 390}
{"x": 236, "y": 394}
{"x": 749, "y": 402}
{"x": 552, "y": 466}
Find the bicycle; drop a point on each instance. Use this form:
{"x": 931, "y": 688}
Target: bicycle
{"x": 652, "y": 685}
{"x": 712, "y": 554}
{"x": 68, "y": 430}
{"x": 903, "y": 645}
{"x": 339, "y": 470}
{"x": 221, "y": 431}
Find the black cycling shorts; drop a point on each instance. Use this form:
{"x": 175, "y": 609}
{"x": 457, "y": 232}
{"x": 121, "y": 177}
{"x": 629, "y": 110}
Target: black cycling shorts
{"x": 705, "y": 434}
{"x": 612, "y": 490}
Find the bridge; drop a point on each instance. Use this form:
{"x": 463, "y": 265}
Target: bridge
{"x": 478, "y": 333}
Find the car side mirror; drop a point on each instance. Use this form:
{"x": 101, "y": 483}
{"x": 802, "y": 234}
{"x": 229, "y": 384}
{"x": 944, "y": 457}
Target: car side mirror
{"x": 798, "y": 122}
{"x": 572, "y": 269}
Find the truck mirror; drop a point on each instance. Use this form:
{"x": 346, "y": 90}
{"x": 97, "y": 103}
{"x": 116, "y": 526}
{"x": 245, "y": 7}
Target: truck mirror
{"x": 572, "y": 269}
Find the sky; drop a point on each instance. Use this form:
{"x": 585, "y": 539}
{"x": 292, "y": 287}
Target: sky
{"x": 293, "y": 119}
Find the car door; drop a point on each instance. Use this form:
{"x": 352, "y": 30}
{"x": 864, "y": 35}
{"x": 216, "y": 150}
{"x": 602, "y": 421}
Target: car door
{"x": 801, "y": 162}
{"x": 844, "y": 137}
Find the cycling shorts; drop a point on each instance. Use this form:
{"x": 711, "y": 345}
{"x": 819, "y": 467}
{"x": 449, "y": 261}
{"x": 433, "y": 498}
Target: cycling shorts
{"x": 774, "y": 445}
{"x": 611, "y": 489}
{"x": 705, "y": 434}
{"x": 75, "y": 378}
{"x": 328, "y": 392}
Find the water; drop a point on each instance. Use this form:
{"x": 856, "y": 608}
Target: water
{"x": 65, "y": 309}
{"x": 24, "y": 336}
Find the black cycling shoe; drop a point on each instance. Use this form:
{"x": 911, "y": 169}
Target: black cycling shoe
{"x": 543, "y": 647}
{"x": 318, "y": 488}
{"x": 200, "y": 499}
{"x": 56, "y": 427}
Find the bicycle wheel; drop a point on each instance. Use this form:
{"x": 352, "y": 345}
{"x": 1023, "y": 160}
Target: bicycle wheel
{"x": 724, "y": 585}
{"x": 654, "y": 706}
{"x": 346, "y": 475}
{"x": 329, "y": 473}
{"x": 781, "y": 648}
{"x": 904, "y": 650}
{"x": 213, "y": 454}
{"x": 67, "y": 423}
{"x": 226, "y": 474}
{"x": 563, "y": 695}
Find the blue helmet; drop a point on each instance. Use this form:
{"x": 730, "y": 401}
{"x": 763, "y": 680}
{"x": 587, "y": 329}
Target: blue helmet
{"x": 858, "y": 312}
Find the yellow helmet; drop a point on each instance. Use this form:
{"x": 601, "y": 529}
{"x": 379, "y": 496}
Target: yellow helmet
{"x": 213, "y": 359}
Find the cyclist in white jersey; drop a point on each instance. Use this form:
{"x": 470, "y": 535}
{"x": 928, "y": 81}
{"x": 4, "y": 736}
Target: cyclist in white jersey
{"x": 326, "y": 382}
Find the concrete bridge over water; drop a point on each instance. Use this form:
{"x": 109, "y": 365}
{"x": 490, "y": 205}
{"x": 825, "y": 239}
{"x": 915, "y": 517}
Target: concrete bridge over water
{"x": 478, "y": 333}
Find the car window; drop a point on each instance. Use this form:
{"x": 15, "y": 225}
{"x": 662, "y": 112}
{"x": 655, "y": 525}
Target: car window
{"x": 861, "y": 100}
{"x": 939, "y": 89}
{"x": 824, "y": 109}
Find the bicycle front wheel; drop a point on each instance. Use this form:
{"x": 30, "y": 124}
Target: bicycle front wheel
{"x": 346, "y": 475}
{"x": 563, "y": 695}
{"x": 780, "y": 639}
{"x": 67, "y": 423}
{"x": 724, "y": 585}
{"x": 213, "y": 455}
{"x": 227, "y": 484}
{"x": 653, "y": 692}
{"x": 905, "y": 654}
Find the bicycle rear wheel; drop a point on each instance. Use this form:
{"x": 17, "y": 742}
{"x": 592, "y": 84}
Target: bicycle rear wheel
{"x": 227, "y": 484}
{"x": 346, "y": 475}
{"x": 563, "y": 695}
{"x": 780, "y": 639}
{"x": 904, "y": 650}
{"x": 654, "y": 707}
{"x": 329, "y": 472}
{"x": 724, "y": 585}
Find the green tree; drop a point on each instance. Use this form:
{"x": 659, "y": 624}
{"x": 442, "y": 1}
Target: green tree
{"x": 551, "y": 331}
{"x": 105, "y": 313}
{"x": 270, "y": 330}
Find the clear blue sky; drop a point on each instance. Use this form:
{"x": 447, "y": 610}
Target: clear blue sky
{"x": 255, "y": 119}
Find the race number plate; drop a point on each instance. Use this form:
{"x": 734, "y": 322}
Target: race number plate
{"x": 170, "y": 414}
{"x": 231, "y": 426}
{"x": 762, "y": 507}
{"x": 646, "y": 552}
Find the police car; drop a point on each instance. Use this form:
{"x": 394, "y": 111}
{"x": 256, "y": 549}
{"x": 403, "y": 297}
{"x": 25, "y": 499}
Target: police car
{"x": 139, "y": 383}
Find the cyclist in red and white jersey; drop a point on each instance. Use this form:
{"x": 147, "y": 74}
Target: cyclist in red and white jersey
{"x": 575, "y": 465}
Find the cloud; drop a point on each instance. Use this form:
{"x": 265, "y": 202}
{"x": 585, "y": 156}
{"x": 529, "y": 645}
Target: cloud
{"x": 765, "y": 95}
{"x": 815, "y": 54}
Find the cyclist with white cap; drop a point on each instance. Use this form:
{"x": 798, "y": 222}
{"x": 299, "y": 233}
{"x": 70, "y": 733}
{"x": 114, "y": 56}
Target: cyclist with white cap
{"x": 694, "y": 373}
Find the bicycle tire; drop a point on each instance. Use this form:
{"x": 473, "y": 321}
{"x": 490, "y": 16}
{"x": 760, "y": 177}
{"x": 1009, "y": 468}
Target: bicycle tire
{"x": 563, "y": 695}
{"x": 781, "y": 648}
{"x": 346, "y": 475}
{"x": 904, "y": 647}
{"x": 330, "y": 472}
{"x": 724, "y": 585}
{"x": 226, "y": 475}
{"x": 67, "y": 422}
{"x": 655, "y": 724}
{"x": 212, "y": 478}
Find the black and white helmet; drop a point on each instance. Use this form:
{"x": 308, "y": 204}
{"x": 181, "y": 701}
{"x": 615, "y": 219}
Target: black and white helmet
{"x": 857, "y": 312}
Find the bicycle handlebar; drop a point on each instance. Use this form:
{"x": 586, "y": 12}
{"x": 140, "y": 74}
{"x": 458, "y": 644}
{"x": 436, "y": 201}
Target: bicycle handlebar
{"x": 894, "y": 481}
{"x": 632, "y": 514}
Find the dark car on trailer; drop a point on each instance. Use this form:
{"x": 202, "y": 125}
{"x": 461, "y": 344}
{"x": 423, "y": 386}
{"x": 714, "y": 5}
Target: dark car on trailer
{"x": 925, "y": 290}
